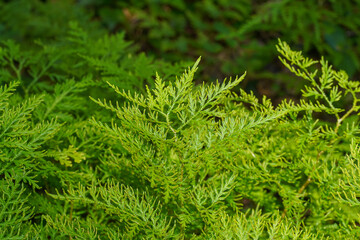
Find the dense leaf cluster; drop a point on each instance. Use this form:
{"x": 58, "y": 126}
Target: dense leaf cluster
{"x": 99, "y": 141}
{"x": 177, "y": 160}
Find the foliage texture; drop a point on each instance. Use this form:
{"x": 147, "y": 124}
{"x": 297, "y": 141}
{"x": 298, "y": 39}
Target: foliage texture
{"x": 185, "y": 161}
{"x": 101, "y": 141}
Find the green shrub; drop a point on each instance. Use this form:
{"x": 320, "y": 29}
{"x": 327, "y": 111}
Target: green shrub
{"x": 179, "y": 161}
{"x": 202, "y": 151}
{"x": 151, "y": 155}
{"x": 45, "y": 137}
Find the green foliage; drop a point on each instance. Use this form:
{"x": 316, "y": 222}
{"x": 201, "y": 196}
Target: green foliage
{"x": 46, "y": 142}
{"x": 154, "y": 156}
{"x": 15, "y": 212}
{"x": 234, "y": 36}
{"x": 349, "y": 186}
{"x": 21, "y": 154}
{"x": 29, "y": 20}
{"x": 202, "y": 162}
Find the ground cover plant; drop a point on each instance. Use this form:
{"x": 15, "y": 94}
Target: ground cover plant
{"x": 99, "y": 140}
{"x": 178, "y": 160}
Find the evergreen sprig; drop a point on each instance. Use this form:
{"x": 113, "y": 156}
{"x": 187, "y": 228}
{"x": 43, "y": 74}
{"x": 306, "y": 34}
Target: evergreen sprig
{"x": 176, "y": 160}
{"x": 201, "y": 150}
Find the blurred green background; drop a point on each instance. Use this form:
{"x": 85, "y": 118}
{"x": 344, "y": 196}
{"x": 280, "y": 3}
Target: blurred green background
{"x": 232, "y": 36}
